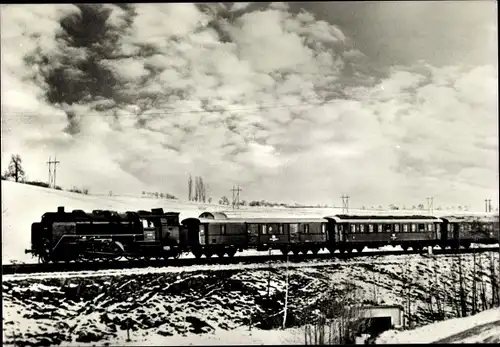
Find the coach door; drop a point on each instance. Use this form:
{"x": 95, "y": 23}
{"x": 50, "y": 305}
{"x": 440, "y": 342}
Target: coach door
{"x": 272, "y": 233}
{"x": 253, "y": 234}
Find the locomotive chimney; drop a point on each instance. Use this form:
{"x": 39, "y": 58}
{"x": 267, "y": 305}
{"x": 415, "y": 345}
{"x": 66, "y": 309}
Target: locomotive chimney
{"x": 60, "y": 209}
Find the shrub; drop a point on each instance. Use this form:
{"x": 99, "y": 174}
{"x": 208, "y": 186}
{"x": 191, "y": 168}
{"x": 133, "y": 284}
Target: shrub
{"x": 37, "y": 183}
{"x": 84, "y": 191}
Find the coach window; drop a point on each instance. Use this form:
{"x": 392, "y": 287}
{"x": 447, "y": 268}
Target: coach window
{"x": 306, "y": 228}
{"x": 370, "y": 228}
{"x": 263, "y": 228}
{"x": 223, "y": 229}
{"x": 253, "y": 229}
{"x": 461, "y": 227}
{"x": 281, "y": 229}
{"x": 396, "y": 228}
{"x": 413, "y": 228}
{"x": 353, "y": 228}
{"x": 387, "y": 228}
{"x": 405, "y": 228}
{"x": 379, "y": 228}
{"x": 323, "y": 228}
{"x": 202, "y": 228}
{"x": 430, "y": 227}
{"x": 294, "y": 228}
{"x": 421, "y": 228}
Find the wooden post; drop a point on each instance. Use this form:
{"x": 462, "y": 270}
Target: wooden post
{"x": 286, "y": 294}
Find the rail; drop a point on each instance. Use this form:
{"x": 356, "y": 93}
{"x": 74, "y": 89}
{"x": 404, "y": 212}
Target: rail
{"x": 11, "y": 269}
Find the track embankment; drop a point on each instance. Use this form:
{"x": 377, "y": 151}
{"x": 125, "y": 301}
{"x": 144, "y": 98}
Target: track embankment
{"x": 33, "y": 268}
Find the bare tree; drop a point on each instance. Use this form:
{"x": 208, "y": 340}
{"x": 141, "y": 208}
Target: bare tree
{"x": 196, "y": 189}
{"x": 463, "y": 299}
{"x": 190, "y": 188}
{"x": 15, "y": 169}
{"x": 474, "y": 282}
{"x": 338, "y": 318}
{"x": 494, "y": 282}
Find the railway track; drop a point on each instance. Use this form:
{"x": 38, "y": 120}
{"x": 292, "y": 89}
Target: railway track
{"x": 33, "y": 268}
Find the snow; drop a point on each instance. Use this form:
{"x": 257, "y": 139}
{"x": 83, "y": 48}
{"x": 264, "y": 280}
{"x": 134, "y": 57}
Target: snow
{"x": 195, "y": 268}
{"x": 161, "y": 303}
{"x": 441, "y": 330}
{"x": 24, "y": 204}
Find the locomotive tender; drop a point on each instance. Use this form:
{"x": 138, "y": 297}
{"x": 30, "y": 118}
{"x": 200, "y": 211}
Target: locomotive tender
{"x": 108, "y": 235}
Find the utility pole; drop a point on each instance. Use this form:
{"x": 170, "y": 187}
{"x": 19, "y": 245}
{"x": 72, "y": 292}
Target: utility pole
{"x": 236, "y": 196}
{"x": 487, "y": 205}
{"x": 430, "y": 204}
{"x": 345, "y": 203}
{"x": 52, "y": 173}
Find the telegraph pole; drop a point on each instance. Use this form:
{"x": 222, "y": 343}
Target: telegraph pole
{"x": 49, "y": 163}
{"x": 430, "y": 204}
{"x": 52, "y": 173}
{"x": 236, "y": 196}
{"x": 487, "y": 205}
{"x": 345, "y": 203}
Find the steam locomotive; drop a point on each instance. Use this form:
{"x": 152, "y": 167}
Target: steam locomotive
{"x": 102, "y": 236}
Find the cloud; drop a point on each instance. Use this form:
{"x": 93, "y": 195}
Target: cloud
{"x": 279, "y": 102}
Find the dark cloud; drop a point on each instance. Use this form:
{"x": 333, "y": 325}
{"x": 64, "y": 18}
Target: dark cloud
{"x": 266, "y": 95}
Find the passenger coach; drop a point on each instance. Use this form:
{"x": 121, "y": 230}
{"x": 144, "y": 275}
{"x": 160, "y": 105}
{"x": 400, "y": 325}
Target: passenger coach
{"x": 215, "y": 234}
{"x": 465, "y": 230}
{"x": 349, "y": 232}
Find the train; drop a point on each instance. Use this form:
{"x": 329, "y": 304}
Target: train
{"x": 104, "y": 235}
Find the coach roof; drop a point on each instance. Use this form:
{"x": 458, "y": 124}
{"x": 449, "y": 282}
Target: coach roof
{"x": 256, "y": 220}
{"x": 470, "y": 219}
{"x": 383, "y": 219}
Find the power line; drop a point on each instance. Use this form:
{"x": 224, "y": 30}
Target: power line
{"x": 248, "y": 109}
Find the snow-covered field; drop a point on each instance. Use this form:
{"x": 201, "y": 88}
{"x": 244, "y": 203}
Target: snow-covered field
{"x": 218, "y": 307}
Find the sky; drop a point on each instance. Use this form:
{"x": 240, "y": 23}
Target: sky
{"x": 389, "y": 102}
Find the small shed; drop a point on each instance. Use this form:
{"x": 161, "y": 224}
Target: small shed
{"x": 392, "y": 312}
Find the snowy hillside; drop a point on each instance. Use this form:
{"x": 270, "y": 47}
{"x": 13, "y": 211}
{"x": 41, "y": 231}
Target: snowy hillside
{"x": 219, "y": 307}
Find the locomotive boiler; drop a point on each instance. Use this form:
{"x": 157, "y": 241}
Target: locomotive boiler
{"x": 104, "y": 235}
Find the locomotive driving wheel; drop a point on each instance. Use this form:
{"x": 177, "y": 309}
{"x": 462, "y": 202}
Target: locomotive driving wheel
{"x": 44, "y": 256}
